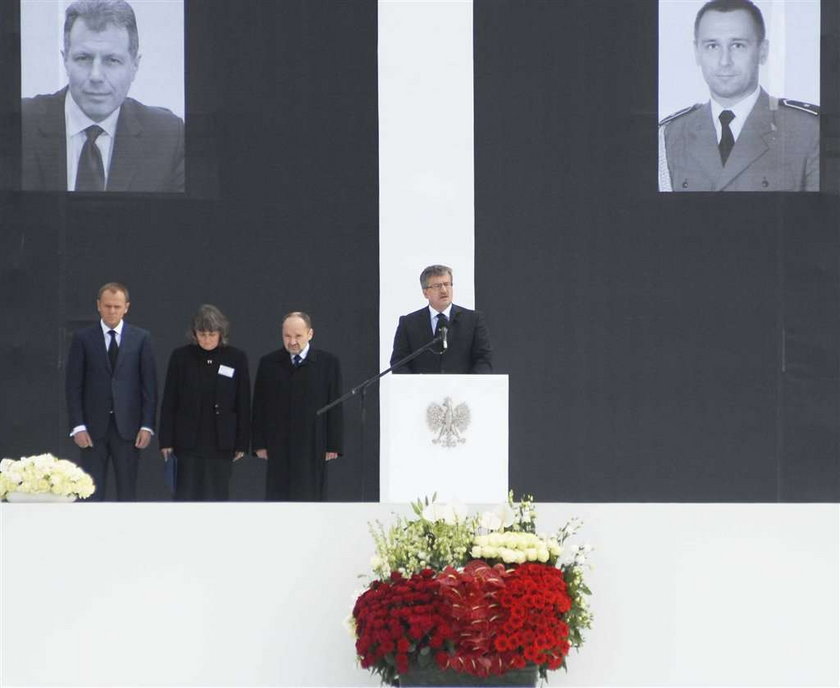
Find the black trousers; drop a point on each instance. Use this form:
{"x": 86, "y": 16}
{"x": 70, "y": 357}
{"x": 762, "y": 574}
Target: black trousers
{"x": 124, "y": 456}
{"x": 202, "y": 480}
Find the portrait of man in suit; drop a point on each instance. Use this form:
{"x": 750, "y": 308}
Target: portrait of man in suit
{"x": 111, "y": 390}
{"x": 466, "y": 345}
{"x": 90, "y": 136}
{"x": 742, "y": 138}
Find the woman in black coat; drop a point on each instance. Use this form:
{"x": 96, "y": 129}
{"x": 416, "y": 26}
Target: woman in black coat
{"x": 205, "y": 414}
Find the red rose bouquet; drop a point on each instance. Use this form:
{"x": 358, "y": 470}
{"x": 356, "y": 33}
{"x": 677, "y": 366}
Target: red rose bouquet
{"x": 479, "y": 595}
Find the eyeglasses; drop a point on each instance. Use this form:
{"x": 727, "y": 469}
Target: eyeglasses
{"x": 441, "y": 285}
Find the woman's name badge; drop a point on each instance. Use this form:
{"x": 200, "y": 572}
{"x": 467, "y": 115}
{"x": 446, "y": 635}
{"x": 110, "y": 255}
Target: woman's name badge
{"x": 227, "y": 371}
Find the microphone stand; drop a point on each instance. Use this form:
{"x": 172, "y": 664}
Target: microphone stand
{"x": 360, "y": 390}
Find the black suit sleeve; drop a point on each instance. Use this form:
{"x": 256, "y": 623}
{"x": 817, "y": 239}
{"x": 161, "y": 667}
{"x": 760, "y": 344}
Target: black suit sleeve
{"x": 243, "y": 406}
{"x": 402, "y": 346}
{"x": 481, "y": 356}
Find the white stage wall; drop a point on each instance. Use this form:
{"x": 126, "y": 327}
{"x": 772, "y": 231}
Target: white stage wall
{"x": 256, "y": 594}
{"x": 426, "y": 181}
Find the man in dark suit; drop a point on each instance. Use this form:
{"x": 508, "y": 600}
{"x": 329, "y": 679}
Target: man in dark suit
{"x": 467, "y": 347}
{"x": 111, "y": 393}
{"x": 89, "y": 136}
{"x": 292, "y": 383}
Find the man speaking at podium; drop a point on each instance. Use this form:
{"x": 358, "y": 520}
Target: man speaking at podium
{"x": 464, "y": 344}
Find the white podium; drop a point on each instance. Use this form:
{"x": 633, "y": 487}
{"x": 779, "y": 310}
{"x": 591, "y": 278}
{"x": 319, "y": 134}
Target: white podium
{"x": 445, "y": 434}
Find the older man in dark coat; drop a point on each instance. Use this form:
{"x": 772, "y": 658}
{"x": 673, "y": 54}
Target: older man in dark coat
{"x": 292, "y": 383}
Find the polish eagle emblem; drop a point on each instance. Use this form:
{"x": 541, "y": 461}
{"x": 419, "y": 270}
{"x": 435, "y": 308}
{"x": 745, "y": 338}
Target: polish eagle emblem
{"x": 448, "y": 422}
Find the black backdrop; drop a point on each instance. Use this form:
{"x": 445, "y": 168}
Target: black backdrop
{"x": 668, "y": 347}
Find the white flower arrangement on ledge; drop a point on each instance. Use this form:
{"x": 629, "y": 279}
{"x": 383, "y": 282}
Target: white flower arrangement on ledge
{"x": 44, "y": 474}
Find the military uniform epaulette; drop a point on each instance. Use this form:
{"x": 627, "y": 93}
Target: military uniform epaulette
{"x": 679, "y": 113}
{"x": 797, "y": 105}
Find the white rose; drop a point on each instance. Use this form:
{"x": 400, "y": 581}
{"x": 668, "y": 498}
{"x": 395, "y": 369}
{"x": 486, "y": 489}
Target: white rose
{"x": 476, "y": 552}
{"x": 542, "y": 554}
{"x": 507, "y": 555}
{"x": 43, "y": 461}
{"x": 531, "y": 554}
{"x": 86, "y": 488}
{"x": 15, "y": 471}
{"x": 13, "y": 477}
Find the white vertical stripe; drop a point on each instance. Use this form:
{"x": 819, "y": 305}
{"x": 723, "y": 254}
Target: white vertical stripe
{"x": 426, "y": 186}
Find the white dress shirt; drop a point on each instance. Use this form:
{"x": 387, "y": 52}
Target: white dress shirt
{"x": 303, "y": 354}
{"x": 75, "y": 122}
{"x": 105, "y": 330}
{"x": 434, "y": 314}
{"x": 741, "y": 111}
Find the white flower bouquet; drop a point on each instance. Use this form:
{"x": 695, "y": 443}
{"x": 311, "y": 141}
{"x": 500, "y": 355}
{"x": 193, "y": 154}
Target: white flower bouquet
{"x": 44, "y": 474}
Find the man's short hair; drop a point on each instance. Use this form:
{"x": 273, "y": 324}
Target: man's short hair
{"x": 113, "y": 286}
{"x": 434, "y": 271}
{"x": 98, "y": 15}
{"x": 731, "y": 6}
{"x": 299, "y": 314}
{"x": 208, "y": 318}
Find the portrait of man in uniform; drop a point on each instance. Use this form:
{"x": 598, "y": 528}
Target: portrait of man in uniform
{"x": 741, "y": 138}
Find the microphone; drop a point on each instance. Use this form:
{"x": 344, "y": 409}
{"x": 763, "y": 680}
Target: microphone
{"x": 441, "y": 332}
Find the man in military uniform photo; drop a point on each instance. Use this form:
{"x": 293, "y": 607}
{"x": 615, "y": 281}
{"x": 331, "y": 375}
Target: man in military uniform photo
{"x": 742, "y": 139}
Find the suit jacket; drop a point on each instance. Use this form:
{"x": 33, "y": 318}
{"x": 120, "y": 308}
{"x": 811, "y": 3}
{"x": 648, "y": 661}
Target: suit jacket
{"x": 92, "y": 389}
{"x": 148, "y": 153}
{"x": 468, "y": 343}
{"x": 180, "y": 410}
{"x": 777, "y": 149}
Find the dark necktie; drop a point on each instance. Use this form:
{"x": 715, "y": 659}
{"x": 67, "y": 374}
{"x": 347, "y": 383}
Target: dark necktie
{"x": 112, "y": 350}
{"x": 727, "y": 140}
{"x": 91, "y": 173}
{"x": 442, "y": 321}
{"x": 297, "y": 360}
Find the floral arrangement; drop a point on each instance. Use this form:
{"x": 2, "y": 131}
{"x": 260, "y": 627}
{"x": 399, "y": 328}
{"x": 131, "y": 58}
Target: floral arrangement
{"x": 480, "y": 595}
{"x": 44, "y": 474}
